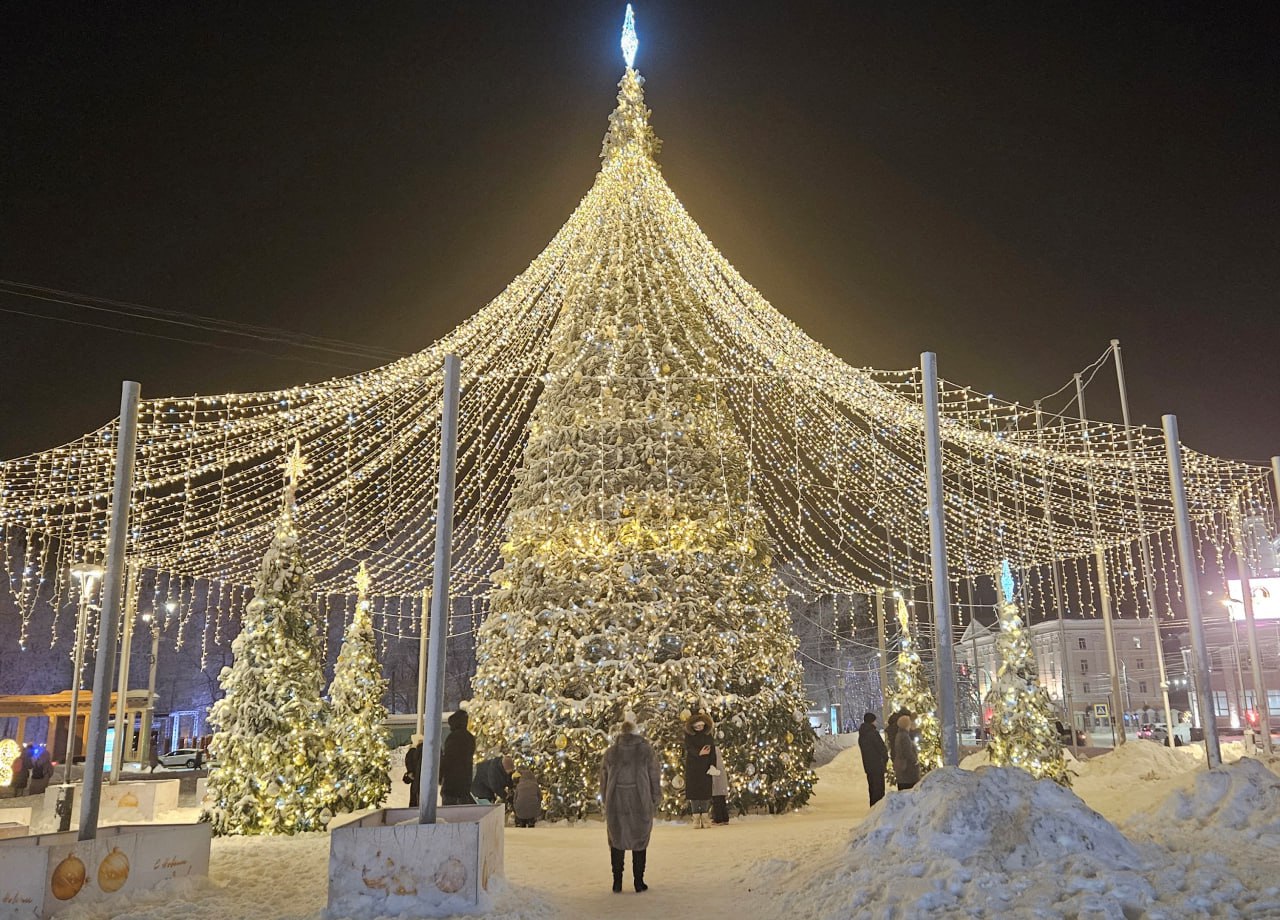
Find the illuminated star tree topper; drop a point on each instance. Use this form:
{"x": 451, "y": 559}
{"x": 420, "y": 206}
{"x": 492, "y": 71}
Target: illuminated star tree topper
{"x": 629, "y": 41}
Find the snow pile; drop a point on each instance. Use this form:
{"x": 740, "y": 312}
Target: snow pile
{"x": 1144, "y": 759}
{"x": 827, "y": 747}
{"x": 993, "y": 842}
{"x": 982, "y": 758}
{"x": 1238, "y": 799}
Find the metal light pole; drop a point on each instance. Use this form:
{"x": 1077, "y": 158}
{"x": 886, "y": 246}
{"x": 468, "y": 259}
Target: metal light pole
{"x": 1148, "y": 575}
{"x": 120, "y": 743}
{"x": 149, "y": 714}
{"x": 439, "y": 595}
{"x": 104, "y": 666}
{"x": 423, "y": 628}
{"x": 87, "y": 575}
{"x": 1261, "y": 700}
{"x": 882, "y": 658}
{"x": 1104, "y": 584}
{"x": 1191, "y": 589}
{"x": 938, "y": 546}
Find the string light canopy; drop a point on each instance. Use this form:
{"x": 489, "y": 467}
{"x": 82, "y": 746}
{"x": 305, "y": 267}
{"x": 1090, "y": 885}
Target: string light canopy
{"x": 833, "y": 453}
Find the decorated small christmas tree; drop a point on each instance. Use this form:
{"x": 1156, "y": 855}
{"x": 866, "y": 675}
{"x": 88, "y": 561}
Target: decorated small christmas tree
{"x": 912, "y": 691}
{"x": 360, "y": 758}
{"x": 273, "y": 774}
{"x": 1022, "y": 732}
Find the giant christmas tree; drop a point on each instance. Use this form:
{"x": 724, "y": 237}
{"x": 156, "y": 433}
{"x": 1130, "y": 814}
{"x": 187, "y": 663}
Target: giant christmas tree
{"x": 637, "y": 574}
{"x": 361, "y": 760}
{"x": 273, "y": 774}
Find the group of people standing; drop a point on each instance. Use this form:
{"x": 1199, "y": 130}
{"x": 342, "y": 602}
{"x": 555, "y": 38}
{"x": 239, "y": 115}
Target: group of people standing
{"x": 464, "y": 782}
{"x": 898, "y": 746}
{"x": 630, "y": 785}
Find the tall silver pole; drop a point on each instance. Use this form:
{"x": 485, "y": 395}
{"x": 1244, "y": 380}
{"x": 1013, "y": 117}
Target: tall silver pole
{"x": 882, "y": 662}
{"x": 1055, "y": 574}
{"x": 1191, "y": 591}
{"x": 1144, "y": 547}
{"x": 120, "y": 743}
{"x": 112, "y": 582}
{"x": 1104, "y": 586}
{"x": 423, "y": 628}
{"x": 149, "y": 714}
{"x": 938, "y": 546}
{"x": 439, "y": 595}
{"x": 82, "y": 624}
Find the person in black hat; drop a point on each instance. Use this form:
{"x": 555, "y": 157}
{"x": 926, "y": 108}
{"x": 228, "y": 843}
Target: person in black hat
{"x": 875, "y": 756}
{"x": 456, "y": 762}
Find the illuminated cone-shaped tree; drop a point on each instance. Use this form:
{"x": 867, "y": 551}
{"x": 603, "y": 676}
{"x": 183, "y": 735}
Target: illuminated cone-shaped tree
{"x": 637, "y": 575}
{"x": 913, "y": 691}
{"x": 273, "y": 774}
{"x": 361, "y": 759}
{"x": 1022, "y": 730}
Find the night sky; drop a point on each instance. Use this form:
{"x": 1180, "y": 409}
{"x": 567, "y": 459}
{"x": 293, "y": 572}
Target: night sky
{"x": 1010, "y": 185}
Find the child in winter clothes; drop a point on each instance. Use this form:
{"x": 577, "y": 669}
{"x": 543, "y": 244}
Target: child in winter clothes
{"x": 528, "y": 799}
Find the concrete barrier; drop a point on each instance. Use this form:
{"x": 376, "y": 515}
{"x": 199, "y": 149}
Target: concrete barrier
{"x": 43, "y": 875}
{"x": 385, "y": 863}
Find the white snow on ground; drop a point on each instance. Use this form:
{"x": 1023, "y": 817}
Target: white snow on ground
{"x": 991, "y": 843}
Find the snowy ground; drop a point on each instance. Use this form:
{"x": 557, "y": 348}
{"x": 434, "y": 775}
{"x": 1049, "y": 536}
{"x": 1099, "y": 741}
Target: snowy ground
{"x": 1145, "y": 832}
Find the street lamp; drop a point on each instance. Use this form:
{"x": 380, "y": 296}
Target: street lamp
{"x": 87, "y": 575}
{"x": 148, "y": 714}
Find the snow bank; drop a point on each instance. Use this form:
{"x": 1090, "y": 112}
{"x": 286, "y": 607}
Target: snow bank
{"x": 1144, "y": 759}
{"x": 827, "y": 747}
{"x": 1237, "y": 799}
{"x": 993, "y": 842}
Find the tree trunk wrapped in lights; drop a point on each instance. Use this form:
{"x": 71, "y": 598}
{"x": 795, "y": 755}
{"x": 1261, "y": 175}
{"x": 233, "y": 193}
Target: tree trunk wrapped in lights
{"x": 912, "y": 691}
{"x": 637, "y": 574}
{"x": 358, "y": 716}
{"x": 1022, "y": 730}
{"x": 273, "y": 755}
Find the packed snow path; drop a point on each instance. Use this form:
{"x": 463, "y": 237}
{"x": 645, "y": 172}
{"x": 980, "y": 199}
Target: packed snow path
{"x": 829, "y": 862}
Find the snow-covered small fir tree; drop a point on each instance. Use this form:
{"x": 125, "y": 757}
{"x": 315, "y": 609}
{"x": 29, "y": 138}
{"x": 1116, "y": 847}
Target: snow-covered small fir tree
{"x": 1022, "y": 733}
{"x": 273, "y": 774}
{"x": 361, "y": 758}
{"x": 913, "y": 692}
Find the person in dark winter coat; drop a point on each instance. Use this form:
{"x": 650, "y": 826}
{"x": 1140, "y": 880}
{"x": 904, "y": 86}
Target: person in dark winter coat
{"x": 456, "y": 762}
{"x": 493, "y": 780}
{"x": 875, "y": 756}
{"x": 906, "y": 759}
{"x": 699, "y": 759}
{"x": 630, "y": 788}
{"x": 528, "y": 799}
{"x": 413, "y": 768}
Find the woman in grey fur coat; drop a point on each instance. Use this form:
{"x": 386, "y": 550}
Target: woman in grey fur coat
{"x": 630, "y": 788}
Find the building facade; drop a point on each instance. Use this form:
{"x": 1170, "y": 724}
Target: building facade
{"x": 1079, "y": 672}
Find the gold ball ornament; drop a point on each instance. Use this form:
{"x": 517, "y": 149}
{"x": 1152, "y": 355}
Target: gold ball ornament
{"x": 685, "y": 714}
{"x": 68, "y": 878}
{"x": 790, "y": 737}
{"x": 113, "y": 872}
{"x": 562, "y": 742}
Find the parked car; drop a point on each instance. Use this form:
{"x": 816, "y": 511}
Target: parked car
{"x": 190, "y": 758}
{"x": 1159, "y": 733}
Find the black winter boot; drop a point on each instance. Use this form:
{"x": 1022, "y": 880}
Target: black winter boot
{"x": 637, "y": 868}
{"x": 616, "y": 856}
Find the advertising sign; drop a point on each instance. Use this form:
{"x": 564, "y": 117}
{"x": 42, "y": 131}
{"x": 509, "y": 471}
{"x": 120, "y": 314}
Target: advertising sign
{"x": 1266, "y": 598}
